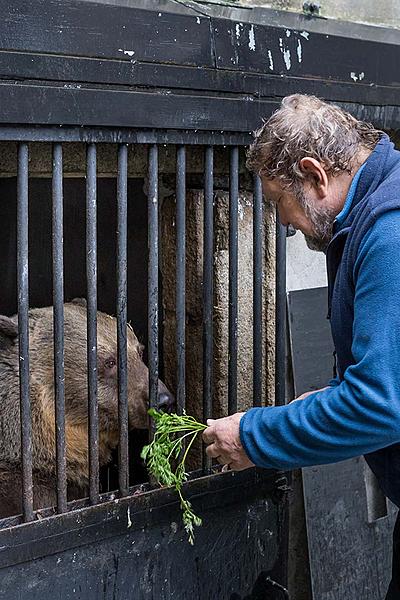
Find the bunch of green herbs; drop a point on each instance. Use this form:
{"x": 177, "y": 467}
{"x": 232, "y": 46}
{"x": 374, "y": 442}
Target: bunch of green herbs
{"x": 173, "y": 438}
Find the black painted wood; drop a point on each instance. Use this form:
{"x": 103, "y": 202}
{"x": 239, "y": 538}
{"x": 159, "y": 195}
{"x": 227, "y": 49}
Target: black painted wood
{"x": 349, "y": 549}
{"x": 204, "y": 72}
{"x": 77, "y": 28}
{"x": 137, "y": 548}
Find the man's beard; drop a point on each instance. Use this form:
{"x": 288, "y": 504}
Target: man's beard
{"x": 321, "y": 219}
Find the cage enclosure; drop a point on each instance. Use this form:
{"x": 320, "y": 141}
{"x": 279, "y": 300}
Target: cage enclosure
{"x": 123, "y": 128}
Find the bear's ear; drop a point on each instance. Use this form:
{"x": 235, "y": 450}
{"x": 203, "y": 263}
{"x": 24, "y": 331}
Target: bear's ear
{"x": 79, "y": 302}
{"x": 8, "y": 331}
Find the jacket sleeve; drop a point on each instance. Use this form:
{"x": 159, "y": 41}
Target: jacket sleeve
{"x": 362, "y": 413}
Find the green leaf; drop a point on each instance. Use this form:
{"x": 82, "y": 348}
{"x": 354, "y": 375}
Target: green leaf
{"x": 168, "y": 445}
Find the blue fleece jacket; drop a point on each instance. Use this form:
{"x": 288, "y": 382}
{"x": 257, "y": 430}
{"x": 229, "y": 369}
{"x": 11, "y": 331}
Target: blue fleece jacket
{"x": 360, "y": 412}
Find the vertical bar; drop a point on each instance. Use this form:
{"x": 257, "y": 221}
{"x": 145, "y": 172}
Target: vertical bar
{"x": 208, "y": 292}
{"x": 153, "y": 277}
{"x": 280, "y": 315}
{"x": 23, "y": 330}
{"x": 233, "y": 278}
{"x": 58, "y": 325}
{"x": 91, "y": 279}
{"x": 122, "y": 238}
{"x": 180, "y": 274}
{"x": 257, "y": 292}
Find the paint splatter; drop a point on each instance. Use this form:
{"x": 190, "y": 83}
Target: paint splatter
{"x": 237, "y": 30}
{"x": 299, "y": 51}
{"x": 252, "y": 39}
{"x": 271, "y": 62}
{"x": 358, "y": 77}
{"x": 286, "y": 54}
{"x": 128, "y": 52}
{"x": 288, "y": 32}
{"x": 305, "y": 35}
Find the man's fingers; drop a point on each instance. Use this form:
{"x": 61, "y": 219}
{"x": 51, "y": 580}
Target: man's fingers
{"x": 212, "y": 451}
{"x": 210, "y": 422}
{"x": 208, "y": 436}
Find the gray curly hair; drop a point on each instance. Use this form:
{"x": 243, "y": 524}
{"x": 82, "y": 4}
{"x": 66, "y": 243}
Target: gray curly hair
{"x": 307, "y": 126}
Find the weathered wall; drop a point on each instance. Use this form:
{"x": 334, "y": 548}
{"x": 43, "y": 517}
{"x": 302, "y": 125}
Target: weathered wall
{"x": 385, "y": 13}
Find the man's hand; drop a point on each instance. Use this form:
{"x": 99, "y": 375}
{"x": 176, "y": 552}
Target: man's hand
{"x": 223, "y": 438}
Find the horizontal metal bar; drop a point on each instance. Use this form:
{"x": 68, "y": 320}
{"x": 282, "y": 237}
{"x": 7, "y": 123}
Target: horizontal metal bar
{"x": 23, "y": 329}
{"x": 122, "y": 136}
{"x": 58, "y": 318}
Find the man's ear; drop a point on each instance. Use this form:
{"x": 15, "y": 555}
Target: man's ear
{"x": 316, "y": 174}
{"x": 8, "y": 331}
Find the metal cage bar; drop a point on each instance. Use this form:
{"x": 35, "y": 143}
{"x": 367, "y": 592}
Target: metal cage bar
{"x": 208, "y": 291}
{"x": 280, "y": 315}
{"x": 180, "y": 275}
{"x": 122, "y": 300}
{"x": 91, "y": 279}
{"x": 23, "y": 329}
{"x": 58, "y": 324}
{"x": 153, "y": 277}
{"x": 257, "y": 291}
{"x": 233, "y": 278}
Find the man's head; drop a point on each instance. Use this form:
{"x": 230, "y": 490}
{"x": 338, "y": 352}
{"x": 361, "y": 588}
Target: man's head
{"x": 306, "y": 154}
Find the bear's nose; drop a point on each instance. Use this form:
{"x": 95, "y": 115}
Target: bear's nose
{"x": 166, "y": 402}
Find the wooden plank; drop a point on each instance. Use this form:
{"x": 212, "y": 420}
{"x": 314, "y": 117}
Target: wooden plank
{"x": 78, "y": 28}
{"x": 69, "y": 69}
{"x": 78, "y": 105}
{"x": 293, "y": 53}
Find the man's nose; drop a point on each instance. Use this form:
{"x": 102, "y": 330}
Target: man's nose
{"x": 166, "y": 402}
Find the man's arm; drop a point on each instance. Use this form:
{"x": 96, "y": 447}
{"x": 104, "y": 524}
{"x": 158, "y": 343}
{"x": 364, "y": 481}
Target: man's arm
{"x": 362, "y": 413}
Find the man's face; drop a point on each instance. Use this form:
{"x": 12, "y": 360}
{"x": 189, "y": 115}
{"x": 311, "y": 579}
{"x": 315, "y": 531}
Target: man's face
{"x": 302, "y": 208}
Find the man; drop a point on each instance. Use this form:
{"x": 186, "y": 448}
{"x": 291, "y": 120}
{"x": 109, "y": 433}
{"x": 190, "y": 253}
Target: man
{"x": 337, "y": 180}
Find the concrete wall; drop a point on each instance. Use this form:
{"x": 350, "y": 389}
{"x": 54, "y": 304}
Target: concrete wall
{"x": 385, "y": 13}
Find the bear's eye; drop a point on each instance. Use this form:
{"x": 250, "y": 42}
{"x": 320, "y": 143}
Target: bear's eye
{"x": 110, "y": 363}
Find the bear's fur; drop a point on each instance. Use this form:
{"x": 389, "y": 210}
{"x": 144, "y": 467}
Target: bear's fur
{"x": 76, "y": 402}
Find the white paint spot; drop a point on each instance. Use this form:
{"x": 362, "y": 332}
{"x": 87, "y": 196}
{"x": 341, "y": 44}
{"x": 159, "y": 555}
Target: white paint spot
{"x": 129, "y": 517}
{"x": 128, "y": 52}
{"x": 237, "y": 28}
{"x": 305, "y": 35}
{"x": 159, "y": 14}
{"x": 271, "y": 62}
{"x": 286, "y": 54}
{"x": 299, "y": 50}
{"x": 198, "y": 20}
{"x": 288, "y": 32}
{"x": 358, "y": 77}
{"x": 252, "y": 39}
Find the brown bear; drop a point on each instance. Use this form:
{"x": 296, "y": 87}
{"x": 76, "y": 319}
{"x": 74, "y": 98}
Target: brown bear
{"x": 76, "y": 402}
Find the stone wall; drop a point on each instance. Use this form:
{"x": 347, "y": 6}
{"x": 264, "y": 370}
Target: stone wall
{"x": 194, "y": 321}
